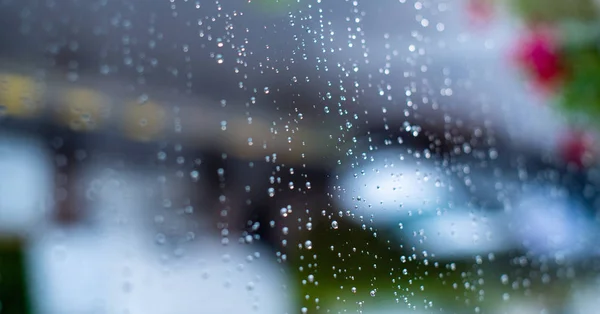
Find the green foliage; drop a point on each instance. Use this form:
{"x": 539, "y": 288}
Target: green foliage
{"x": 580, "y": 95}
{"x": 386, "y": 272}
{"x": 552, "y": 11}
{"x": 13, "y": 284}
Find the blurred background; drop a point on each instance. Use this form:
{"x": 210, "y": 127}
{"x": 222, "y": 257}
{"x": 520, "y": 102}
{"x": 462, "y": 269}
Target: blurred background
{"x": 298, "y": 156}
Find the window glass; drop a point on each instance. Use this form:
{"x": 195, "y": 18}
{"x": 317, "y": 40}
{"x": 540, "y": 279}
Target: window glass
{"x": 298, "y": 156}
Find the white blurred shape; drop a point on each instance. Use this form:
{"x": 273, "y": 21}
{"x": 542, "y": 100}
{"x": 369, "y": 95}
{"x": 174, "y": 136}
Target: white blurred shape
{"x": 25, "y": 184}
{"x": 550, "y": 223}
{"x": 520, "y": 306}
{"x": 459, "y": 233}
{"x": 117, "y": 267}
{"x": 392, "y": 183}
{"x": 82, "y": 273}
{"x": 584, "y": 299}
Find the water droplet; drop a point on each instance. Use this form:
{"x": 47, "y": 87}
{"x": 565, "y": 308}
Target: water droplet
{"x": 504, "y": 279}
{"x": 308, "y": 244}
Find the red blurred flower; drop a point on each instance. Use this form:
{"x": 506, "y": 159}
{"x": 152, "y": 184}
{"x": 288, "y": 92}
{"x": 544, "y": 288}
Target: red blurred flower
{"x": 538, "y": 53}
{"x": 576, "y": 148}
{"x": 480, "y": 11}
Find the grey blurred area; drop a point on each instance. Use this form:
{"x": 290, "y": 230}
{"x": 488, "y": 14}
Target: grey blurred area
{"x": 296, "y": 71}
{"x": 210, "y": 52}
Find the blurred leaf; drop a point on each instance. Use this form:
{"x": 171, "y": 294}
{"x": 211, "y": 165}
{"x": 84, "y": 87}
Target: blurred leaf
{"x": 13, "y": 286}
{"x": 580, "y": 96}
{"x": 544, "y": 11}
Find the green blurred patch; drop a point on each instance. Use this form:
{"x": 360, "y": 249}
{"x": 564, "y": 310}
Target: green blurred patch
{"x": 352, "y": 268}
{"x": 551, "y": 11}
{"x": 580, "y": 95}
{"x": 13, "y": 284}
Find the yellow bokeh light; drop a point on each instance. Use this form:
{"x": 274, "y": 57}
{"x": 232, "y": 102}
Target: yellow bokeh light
{"x": 20, "y": 96}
